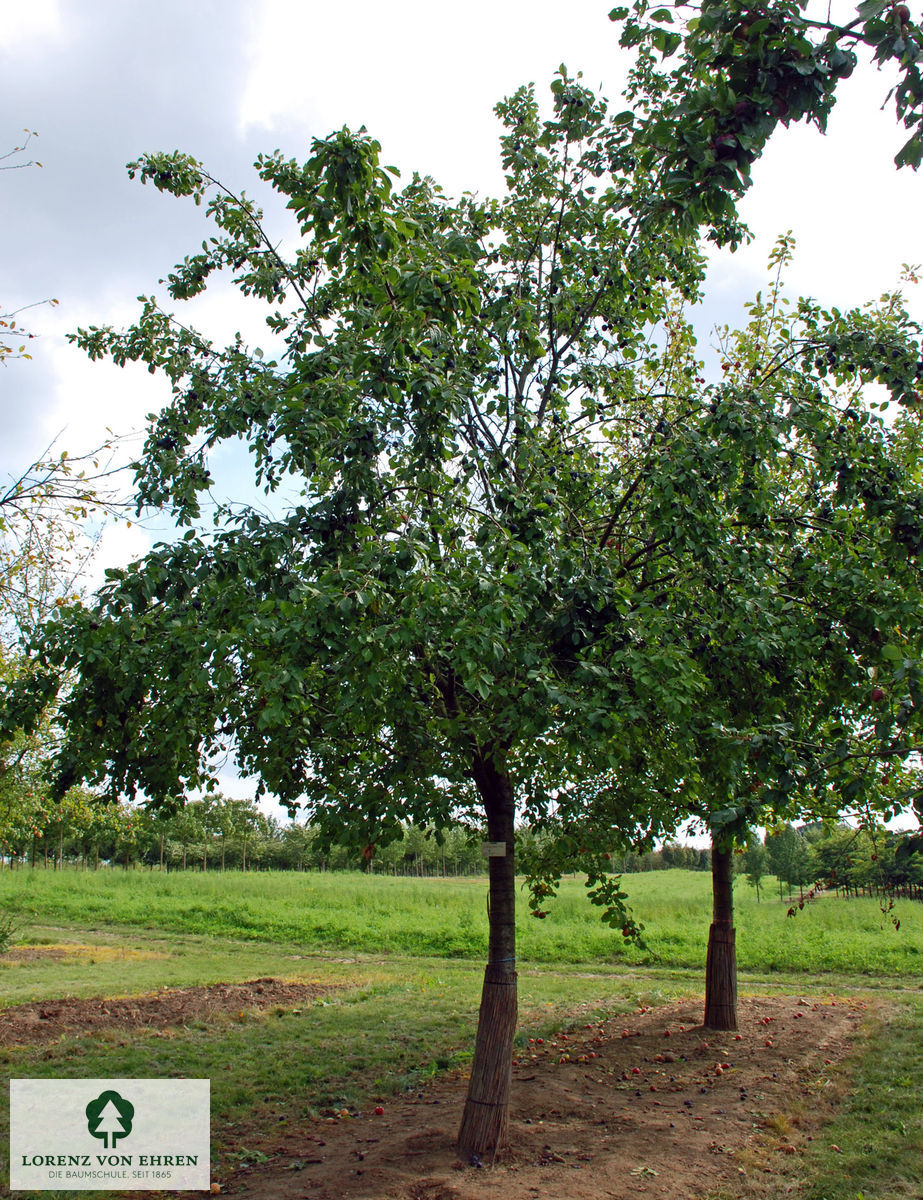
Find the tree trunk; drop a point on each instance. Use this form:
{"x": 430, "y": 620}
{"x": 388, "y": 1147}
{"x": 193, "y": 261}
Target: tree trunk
{"x": 485, "y": 1119}
{"x": 721, "y": 964}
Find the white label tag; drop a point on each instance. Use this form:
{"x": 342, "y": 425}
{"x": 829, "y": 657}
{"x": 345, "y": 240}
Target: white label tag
{"x": 493, "y": 849}
{"x": 109, "y": 1134}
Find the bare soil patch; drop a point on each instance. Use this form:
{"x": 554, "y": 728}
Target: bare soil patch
{"x": 646, "y": 1105}
{"x": 22, "y": 955}
{"x": 46, "y": 1021}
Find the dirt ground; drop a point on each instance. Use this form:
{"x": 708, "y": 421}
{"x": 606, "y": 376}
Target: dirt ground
{"x": 648, "y": 1104}
{"x": 47, "y": 1020}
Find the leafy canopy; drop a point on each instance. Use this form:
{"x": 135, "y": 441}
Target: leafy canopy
{"x": 497, "y": 481}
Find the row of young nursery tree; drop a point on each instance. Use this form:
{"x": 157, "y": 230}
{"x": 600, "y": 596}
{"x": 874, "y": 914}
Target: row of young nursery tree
{"x": 868, "y": 860}
{"x": 215, "y": 833}
{"x": 536, "y": 562}
{"x": 220, "y": 833}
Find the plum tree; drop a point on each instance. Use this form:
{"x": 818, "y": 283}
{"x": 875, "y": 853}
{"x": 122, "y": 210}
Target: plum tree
{"x": 493, "y": 484}
{"x": 800, "y": 618}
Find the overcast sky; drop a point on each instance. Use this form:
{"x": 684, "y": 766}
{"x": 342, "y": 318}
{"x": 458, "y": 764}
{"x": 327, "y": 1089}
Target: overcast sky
{"x": 105, "y": 80}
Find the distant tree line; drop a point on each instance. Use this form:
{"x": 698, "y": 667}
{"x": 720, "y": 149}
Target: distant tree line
{"x": 671, "y": 855}
{"x": 849, "y": 861}
{"x": 218, "y": 833}
{"x": 221, "y": 833}
{"x": 214, "y": 833}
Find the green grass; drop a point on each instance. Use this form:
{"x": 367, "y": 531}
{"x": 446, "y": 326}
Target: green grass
{"x": 410, "y": 953}
{"x": 128, "y": 961}
{"x": 872, "y": 1146}
{"x": 398, "y": 1021}
{"x": 878, "y": 1128}
{"x": 446, "y": 918}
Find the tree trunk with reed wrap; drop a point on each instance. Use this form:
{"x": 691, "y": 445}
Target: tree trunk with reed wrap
{"x": 721, "y": 964}
{"x": 485, "y": 1119}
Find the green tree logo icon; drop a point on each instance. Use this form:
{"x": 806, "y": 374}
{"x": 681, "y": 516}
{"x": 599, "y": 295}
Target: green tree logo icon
{"x": 109, "y": 1117}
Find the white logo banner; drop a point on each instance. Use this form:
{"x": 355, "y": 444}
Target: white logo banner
{"x": 118, "y": 1134}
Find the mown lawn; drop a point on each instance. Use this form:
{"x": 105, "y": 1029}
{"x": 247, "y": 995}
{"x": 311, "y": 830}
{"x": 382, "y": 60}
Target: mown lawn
{"x": 446, "y": 918}
{"x": 411, "y": 951}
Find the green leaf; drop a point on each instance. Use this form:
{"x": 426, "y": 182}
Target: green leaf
{"x": 911, "y": 153}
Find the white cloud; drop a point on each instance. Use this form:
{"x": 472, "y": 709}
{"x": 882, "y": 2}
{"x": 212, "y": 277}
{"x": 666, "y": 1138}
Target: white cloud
{"x": 27, "y": 28}
{"x": 422, "y": 77}
{"x": 120, "y": 543}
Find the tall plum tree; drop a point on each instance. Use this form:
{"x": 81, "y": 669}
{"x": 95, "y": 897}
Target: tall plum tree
{"x": 491, "y": 487}
{"x": 420, "y": 628}
{"x": 795, "y": 591}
